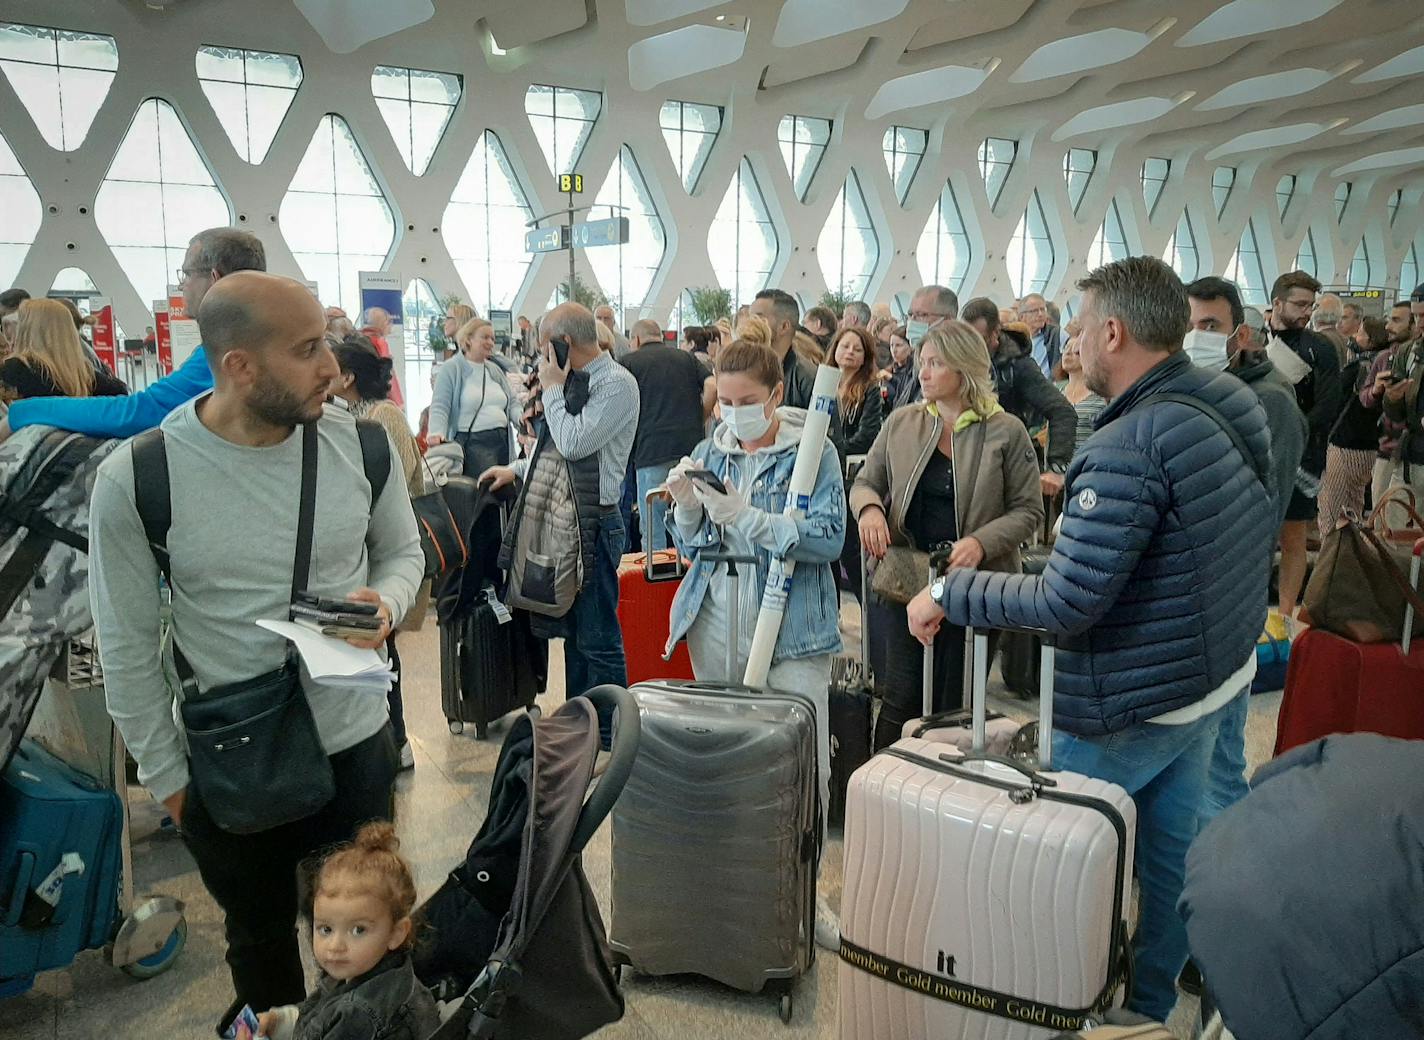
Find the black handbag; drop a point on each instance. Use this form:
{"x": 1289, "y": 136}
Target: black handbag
{"x": 442, "y": 534}
{"x": 255, "y": 757}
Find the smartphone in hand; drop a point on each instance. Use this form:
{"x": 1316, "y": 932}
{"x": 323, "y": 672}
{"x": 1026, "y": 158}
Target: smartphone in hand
{"x": 706, "y": 476}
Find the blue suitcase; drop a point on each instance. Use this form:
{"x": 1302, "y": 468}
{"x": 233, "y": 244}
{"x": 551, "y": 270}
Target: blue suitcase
{"x": 48, "y": 811}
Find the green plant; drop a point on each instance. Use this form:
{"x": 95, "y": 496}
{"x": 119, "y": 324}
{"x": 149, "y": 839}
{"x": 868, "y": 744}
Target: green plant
{"x": 589, "y": 295}
{"x": 435, "y": 333}
{"x": 836, "y": 299}
{"x": 709, "y": 302}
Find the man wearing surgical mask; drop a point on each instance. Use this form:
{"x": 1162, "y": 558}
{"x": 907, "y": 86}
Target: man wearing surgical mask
{"x": 1221, "y": 339}
{"x": 930, "y": 305}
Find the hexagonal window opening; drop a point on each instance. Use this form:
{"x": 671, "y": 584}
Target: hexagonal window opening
{"x": 848, "y": 248}
{"x": 742, "y": 242}
{"x": 626, "y": 272}
{"x": 483, "y": 227}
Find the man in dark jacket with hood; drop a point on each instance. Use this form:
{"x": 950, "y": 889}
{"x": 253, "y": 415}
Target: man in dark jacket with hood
{"x": 1023, "y": 390}
{"x": 1156, "y": 589}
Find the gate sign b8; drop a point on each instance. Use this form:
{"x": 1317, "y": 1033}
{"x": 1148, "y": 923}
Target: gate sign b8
{"x": 571, "y": 183}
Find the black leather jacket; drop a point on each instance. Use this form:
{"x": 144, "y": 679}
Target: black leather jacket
{"x": 1025, "y": 393}
{"x": 387, "y": 1002}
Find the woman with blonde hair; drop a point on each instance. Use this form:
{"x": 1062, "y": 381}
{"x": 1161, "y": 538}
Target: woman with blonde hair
{"x": 752, "y": 328}
{"x": 953, "y": 472}
{"x": 472, "y": 401}
{"x": 49, "y": 358}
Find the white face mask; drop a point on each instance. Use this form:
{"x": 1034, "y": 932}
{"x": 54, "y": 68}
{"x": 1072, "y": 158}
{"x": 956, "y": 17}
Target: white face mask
{"x": 1206, "y": 349}
{"x": 748, "y": 422}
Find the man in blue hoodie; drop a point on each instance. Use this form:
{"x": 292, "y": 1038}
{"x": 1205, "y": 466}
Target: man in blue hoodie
{"x": 211, "y": 254}
{"x": 1156, "y": 589}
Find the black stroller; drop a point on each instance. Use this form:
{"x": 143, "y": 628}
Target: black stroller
{"x": 515, "y": 932}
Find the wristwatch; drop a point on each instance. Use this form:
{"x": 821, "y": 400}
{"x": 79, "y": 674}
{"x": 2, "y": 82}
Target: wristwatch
{"x": 937, "y": 589}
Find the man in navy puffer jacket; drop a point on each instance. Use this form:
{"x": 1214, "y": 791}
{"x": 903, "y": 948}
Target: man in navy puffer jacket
{"x": 1156, "y": 588}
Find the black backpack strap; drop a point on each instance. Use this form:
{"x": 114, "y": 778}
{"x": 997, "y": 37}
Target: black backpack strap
{"x": 1215, "y": 416}
{"x": 375, "y": 456}
{"x": 151, "y": 493}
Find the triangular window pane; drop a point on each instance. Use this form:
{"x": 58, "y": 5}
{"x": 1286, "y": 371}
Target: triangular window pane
{"x": 690, "y": 131}
{"x": 334, "y": 216}
{"x": 1285, "y": 191}
{"x": 944, "y": 252}
{"x": 1110, "y": 243}
{"x": 1223, "y": 179}
{"x": 1409, "y": 270}
{"x": 73, "y": 282}
{"x": 996, "y": 159}
{"x": 157, "y": 194}
{"x": 483, "y": 227}
{"x": 1305, "y": 256}
{"x": 1342, "y": 199}
{"x": 1181, "y": 252}
{"x": 416, "y": 105}
{"x": 803, "y": 141}
{"x": 626, "y": 272}
{"x": 1360, "y": 267}
{"x": 1154, "y": 179}
{"x": 250, "y": 92}
{"x": 21, "y": 205}
{"x": 1030, "y": 255}
{"x": 1078, "y": 167}
{"x": 848, "y": 248}
{"x": 904, "y": 148}
{"x": 562, "y": 118}
{"x": 742, "y": 240}
{"x": 60, "y": 75}
{"x": 1244, "y": 268}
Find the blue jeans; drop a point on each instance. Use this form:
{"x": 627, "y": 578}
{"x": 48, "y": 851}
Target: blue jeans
{"x": 593, "y": 642}
{"x": 1226, "y": 775}
{"x": 653, "y": 524}
{"x": 1164, "y": 768}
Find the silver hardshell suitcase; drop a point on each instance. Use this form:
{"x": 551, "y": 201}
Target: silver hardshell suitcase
{"x": 716, "y": 836}
{"x": 982, "y": 898}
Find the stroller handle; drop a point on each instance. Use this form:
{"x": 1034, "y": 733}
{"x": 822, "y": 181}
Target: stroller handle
{"x": 607, "y": 699}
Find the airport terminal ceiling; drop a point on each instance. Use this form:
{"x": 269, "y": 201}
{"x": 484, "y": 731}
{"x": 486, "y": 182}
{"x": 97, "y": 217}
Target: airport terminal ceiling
{"x": 857, "y": 146}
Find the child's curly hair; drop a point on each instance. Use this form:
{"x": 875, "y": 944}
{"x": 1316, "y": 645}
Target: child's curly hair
{"x": 371, "y": 864}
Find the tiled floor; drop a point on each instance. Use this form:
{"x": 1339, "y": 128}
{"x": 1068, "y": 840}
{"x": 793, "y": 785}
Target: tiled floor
{"x": 440, "y": 806}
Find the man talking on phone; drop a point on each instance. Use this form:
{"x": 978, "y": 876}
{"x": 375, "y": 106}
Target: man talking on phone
{"x": 602, "y": 426}
{"x": 237, "y": 459}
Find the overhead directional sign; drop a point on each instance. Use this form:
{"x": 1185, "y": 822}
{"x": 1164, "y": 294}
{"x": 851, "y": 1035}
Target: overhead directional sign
{"x": 571, "y": 183}
{"x": 547, "y": 240}
{"x": 610, "y": 232}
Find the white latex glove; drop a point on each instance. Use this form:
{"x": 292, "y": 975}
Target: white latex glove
{"x": 679, "y": 486}
{"x": 721, "y": 509}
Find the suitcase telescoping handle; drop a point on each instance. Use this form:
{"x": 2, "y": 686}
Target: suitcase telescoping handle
{"x": 734, "y": 604}
{"x": 938, "y": 558}
{"x": 1408, "y": 606}
{"x": 650, "y": 558}
{"x": 977, "y": 646}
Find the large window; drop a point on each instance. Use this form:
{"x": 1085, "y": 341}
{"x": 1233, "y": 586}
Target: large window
{"x": 1030, "y": 254}
{"x": 1342, "y": 199}
{"x": 21, "y": 206}
{"x": 483, "y": 227}
{"x": 1360, "y": 267}
{"x": 1078, "y": 167}
{"x": 422, "y": 311}
{"x": 1409, "y": 270}
{"x": 334, "y": 216}
{"x": 803, "y": 141}
{"x": 996, "y": 159}
{"x": 1154, "y": 179}
{"x": 250, "y": 92}
{"x": 562, "y": 119}
{"x": 1305, "y": 255}
{"x": 690, "y": 131}
{"x": 1223, "y": 179}
{"x": 626, "y": 271}
{"x": 1110, "y": 243}
{"x": 157, "y": 194}
{"x": 61, "y": 77}
{"x": 742, "y": 241}
{"x": 904, "y": 148}
{"x": 416, "y": 105}
{"x": 1285, "y": 191}
{"x": 1244, "y": 268}
{"x": 848, "y": 248}
{"x": 944, "y": 252}
{"x": 1181, "y": 252}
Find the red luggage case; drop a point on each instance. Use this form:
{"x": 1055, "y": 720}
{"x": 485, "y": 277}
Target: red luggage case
{"x": 1335, "y": 685}
{"x": 645, "y": 591}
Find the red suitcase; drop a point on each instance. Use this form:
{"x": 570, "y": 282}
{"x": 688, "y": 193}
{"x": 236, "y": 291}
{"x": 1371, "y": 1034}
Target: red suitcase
{"x": 1335, "y": 685}
{"x": 645, "y": 591}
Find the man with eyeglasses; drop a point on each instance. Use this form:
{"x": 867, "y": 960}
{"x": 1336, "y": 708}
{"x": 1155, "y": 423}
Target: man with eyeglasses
{"x": 1045, "y": 338}
{"x": 211, "y": 255}
{"x": 931, "y": 305}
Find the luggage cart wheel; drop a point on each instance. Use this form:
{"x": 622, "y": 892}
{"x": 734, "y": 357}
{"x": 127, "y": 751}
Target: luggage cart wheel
{"x": 457, "y": 727}
{"x": 161, "y": 960}
{"x": 785, "y": 1006}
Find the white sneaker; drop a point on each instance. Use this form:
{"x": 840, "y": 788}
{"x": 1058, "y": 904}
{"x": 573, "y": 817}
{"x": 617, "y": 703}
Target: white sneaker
{"x": 828, "y": 926}
{"x": 407, "y": 757}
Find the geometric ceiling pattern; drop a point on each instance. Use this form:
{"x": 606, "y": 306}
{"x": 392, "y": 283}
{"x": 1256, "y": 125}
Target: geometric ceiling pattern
{"x": 853, "y": 127}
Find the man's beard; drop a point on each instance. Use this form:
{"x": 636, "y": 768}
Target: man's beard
{"x": 1096, "y": 380}
{"x": 275, "y": 404}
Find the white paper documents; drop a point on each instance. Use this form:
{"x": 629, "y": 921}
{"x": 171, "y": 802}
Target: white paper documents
{"x": 335, "y": 661}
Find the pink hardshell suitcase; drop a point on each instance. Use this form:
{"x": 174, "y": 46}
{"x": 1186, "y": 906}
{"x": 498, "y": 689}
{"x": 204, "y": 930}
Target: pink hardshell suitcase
{"x": 983, "y": 898}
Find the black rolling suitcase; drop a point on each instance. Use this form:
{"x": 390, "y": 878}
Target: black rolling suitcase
{"x": 1019, "y": 651}
{"x": 851, "y": 700}
{"x": 489, "y": 669}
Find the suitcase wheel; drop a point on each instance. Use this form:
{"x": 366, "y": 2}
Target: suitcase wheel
{"x": 159, "y": 962}
{"x": 457, "y": 727}
{"x": 785, "y": 1006}
{"x": 481, "y": 730}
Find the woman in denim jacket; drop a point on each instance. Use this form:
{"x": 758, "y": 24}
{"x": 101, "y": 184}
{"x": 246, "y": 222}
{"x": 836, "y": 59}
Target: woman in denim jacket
{"x": 753, "y": 452}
